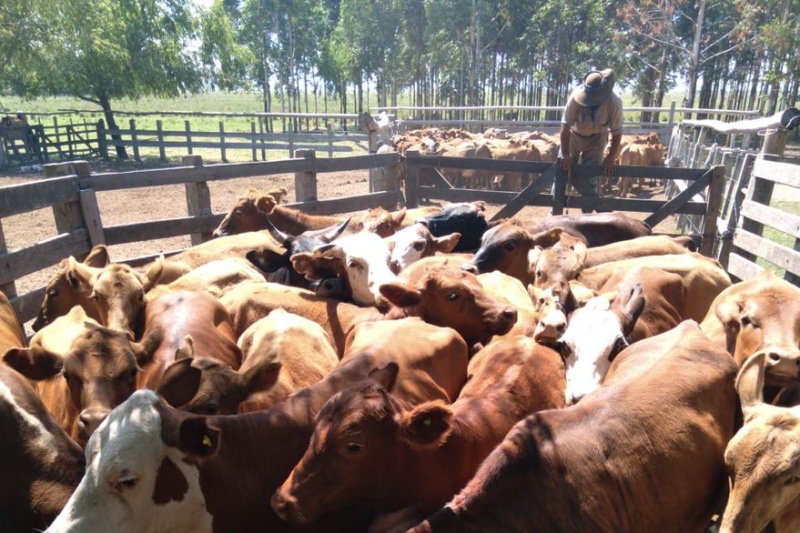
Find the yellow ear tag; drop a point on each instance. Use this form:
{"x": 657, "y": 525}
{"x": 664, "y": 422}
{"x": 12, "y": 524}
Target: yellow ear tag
{"x": 427, "y": 422}
{"x": 206, "y": 441}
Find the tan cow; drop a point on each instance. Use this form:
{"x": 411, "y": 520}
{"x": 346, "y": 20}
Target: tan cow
{"x": 83, "y": 369}
{"x": 370, "y": 448}
{"x": 282, "y": 354}
{"x": 11, "y": 332}
{"x": 760, "y": 315}
{"x": 761, "y": 460}
{"x": 638, "y": 155}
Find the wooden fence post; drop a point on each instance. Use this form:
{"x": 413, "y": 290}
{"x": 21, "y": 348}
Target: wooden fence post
{"x": 135, "y": 141}
{"x": 90, "y": 211}
{"x": 253, "y": 140}
{"x": 188, "y": 128}
{"x": 412, "y": 179}
{"x": 68, "y": 216}
{"x": 329, "y": 129}
{"x": 10, "y": 289}
{"x": 57, "y": 132}
{"x": 738, "y": 197}
{"x": 559, "y": 189}
{"x": 222, "y": 142}
{"x": 162, "y": 153}
{"x": 291, "y": 140}
{"x": 102, "y": 141}
{"x": 261, "y": 124}
{"x": 198, "y": 198}
{"x": 713, "y": 208}
{"x": 305, "y": 183}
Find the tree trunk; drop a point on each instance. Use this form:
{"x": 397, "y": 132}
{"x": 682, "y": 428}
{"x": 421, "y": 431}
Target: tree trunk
{"x": 694, "y": 60}
{"x": 105, "y": 103}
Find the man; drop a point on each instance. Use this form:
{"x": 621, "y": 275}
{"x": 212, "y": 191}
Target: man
{"x": 592, "y": 112}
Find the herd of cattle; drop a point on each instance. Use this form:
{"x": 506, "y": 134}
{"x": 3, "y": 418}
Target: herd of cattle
{"x": 419, "y": 370}
{"x": 535, "y": 146}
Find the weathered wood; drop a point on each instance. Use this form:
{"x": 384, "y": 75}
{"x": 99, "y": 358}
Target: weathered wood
{"x": 305, "y": 183}
{"x": 472, "y": 195}
{"x": 771, "y": 216}
{"x": 559, "y": 189}
{"x": 254, "y": 153}
{"x": 412, "y": 178}
{"x": 198, "y": 198}
{"x": 674, "y": 205}
{"x": 91, "y": 217}
{"x": 162, "y": 152}
{"x": 68, "y": 215}
{"x": 44, "y": 254}
{"x": 102, "y": 144}
{"x": 9, "y": 288}
{"x": 161, "y": 229}
{"x": 733, "y": 219}
{"x": 27, "y": 305}
{"x": 134, "y": 141}
{"x": 230, "y": 145}
{"x": 533, "y": 190}
{"x": 759, "y": 190}
{"x": 752, "y": 125}
{"x": 777, "y": 172}
{"x": 16, "y": 199}
{"x": 714, "y": 205}
{"x": 775, "y": 253}
{"x": 741, "y": 268}
{"x": 188, "y": 128}
{"x": 386, "y": 199}
{"x": 223, "y": 155}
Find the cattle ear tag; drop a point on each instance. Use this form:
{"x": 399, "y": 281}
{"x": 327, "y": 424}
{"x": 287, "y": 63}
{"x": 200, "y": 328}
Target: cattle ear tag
{"x": 206, "y": 441}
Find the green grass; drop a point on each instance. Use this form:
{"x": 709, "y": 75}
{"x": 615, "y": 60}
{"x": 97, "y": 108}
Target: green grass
{"x": 779, "y": 237}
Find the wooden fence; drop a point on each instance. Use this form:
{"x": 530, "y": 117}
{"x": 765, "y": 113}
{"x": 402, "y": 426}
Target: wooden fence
{"x": 70, "y": 191}
{"x": 760, "y": 225}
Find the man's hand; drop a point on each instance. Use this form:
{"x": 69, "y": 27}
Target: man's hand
{"x": 608, "y": 165}
{"x": 566, "y": 164}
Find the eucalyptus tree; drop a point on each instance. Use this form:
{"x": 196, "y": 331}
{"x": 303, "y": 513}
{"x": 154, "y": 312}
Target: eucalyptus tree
{"x": 100, "y": 50}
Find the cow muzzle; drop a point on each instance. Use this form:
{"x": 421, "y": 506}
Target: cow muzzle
{"x": 88, "y": 421}
{"x": 783, "y": 366}
{"x": 286, "y": 507}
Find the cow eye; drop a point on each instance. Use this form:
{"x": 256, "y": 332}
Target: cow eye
{"x": 132, "y": 372}
{"x": 418, "y": 246}
{"x": 238, "y": 212}
{"x": 509, "y": 246}
{"x": 539, "y": 273}
{"x": 211, "y": 408}
{"x": 353, "y": 447}
{"x": 452, "y": 296}
{"x": 52, "y": 293}
{"x": 128, "y": 482}
{"x": 353, "y": 264}
{"x": 746, "y": 321}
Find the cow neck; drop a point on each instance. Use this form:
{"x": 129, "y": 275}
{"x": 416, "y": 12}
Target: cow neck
{"x": 258, "y": 451}
{"x": 296, "y": 222}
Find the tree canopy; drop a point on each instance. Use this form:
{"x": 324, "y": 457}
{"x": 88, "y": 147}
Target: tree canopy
{"x": 730, "y": 53}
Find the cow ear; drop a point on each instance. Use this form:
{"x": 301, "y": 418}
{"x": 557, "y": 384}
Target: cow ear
{"x": 548, "y": 238}
{"x": 279, "y": 194}
{"x": 385, "y": 376}
{"x": 633, "y": 307}
{"x": 147, "y": 348}
{"x": 98, "y": 257}
{"x": 261, "y": 377}
{"x": 302, "y": 262}
{"x": 152, "y": 275}
{"x": 398, "y": 216}
{"x": 79, "y": 275}
{"x": 400, "y": 294}
{"x": 581, "y": 250}
{"x": 180, "y": 383}
{"x": 266, "y": 203}
{"x": 427, "y": 425}
{"x": 186, "y": 349}
{"x": 197, "y": 437}
{"x": 728, "y": 313}
{"x": 446, "y": 244}
{"x": 750, "y": 382}
{"x": 533, "y": 257}
{"x": 34, "y": 363}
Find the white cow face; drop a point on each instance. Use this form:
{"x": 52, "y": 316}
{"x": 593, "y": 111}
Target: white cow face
{"x": 414, "y": 242}
{"x": 134, "y": 482}
{"x": 593, "y": 333}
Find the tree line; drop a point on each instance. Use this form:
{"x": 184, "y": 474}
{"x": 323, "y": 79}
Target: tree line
{"x": 303, "y": 55}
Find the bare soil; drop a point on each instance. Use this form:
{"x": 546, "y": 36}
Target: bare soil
{"x": 169, "y": 201}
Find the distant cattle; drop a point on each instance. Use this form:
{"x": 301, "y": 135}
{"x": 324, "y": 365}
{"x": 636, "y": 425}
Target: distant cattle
{"x": 644, "y": 452}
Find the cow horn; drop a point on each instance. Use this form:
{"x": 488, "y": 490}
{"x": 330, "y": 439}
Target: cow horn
{"x": 335, "y": 231}
{"x": 277, "y": 234}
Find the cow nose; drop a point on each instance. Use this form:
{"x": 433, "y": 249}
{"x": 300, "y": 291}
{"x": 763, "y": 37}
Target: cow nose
{"x": 395, "y": 266}
{"x": 89, "y": 420}
{"x": 572, "y": 399}
{"x": 283, "y": 505}
{"x": 470, "y": 267}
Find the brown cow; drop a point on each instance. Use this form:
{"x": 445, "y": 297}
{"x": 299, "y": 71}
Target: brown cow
{"x": 638, "y": 155}
{"x": 11, "y": 332}
{"x": 370, "y": 448}
{"x": 282, "y": 353}
{"x": 755, "y": 316}
{"x": 41, "y": 464}
{"x": 761, "y": 460}
{"x": 84, "y": 370}
{"x": 64, "y": 290}
{"x": 644, "y": 452}
{"x": 213, "y": 473}
{"x": 447, "y": 296}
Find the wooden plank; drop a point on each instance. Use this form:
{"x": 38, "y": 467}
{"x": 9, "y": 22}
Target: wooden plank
{"x": 68, "y": 215}
{"x": 773, "y": 217}
{"x": 43, "y": 254}
{"x": 741, "y": 268}
{"x": 784, "y": 173}
{"x": 665, "y": 173}
{"x": 733, "y": 220}
{"x": 673, "y": 205}
{"x": 160, "y": 229}
{"x": 198, "y": 198}
{"x": 528, "y": 193}
{"x": 91, "y": 217}
{"x": 472, "y": 195}
{"x": 9, "y": 288}
{"x": 412, "y": 178}
{"x": 609, "y": 203}
{"x": 305, "y": 183}
{"x": 216, "y": 145}
{"x": 356, "y": 162}
{"x": 476, "y": 163}
{"x": 715, "y": 191}
{"x": 27, "y": 305}
{"x": 25, "y": 197}
{"x": 775, "y": 253}
{"x": 335, "y": 206}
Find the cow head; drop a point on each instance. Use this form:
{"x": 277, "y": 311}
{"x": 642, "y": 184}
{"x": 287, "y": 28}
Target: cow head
{"x": 71, "y": 286}
{"x": 380, "y": 221}
{"x": 466, "y": 218}
{"x": 118, "y": 291}
{"x": 596, "y": 333}
{"x": 559, "y": 262}
{"x": 415, "y": 242}
{"x": 248, "y": 214}
{"x": 762, "y": 459}
{"x": 345, "y": 462}
{"x": 99, "y": 368}
{"x": 142, "y": 472}
{"x": 448, "y": 297}
{"x": 762, "y": 315}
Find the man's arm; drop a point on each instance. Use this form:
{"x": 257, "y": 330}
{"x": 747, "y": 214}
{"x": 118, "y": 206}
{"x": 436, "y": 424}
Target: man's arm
{"x": 613, "y": 153}
{"x": 566, "y": 160}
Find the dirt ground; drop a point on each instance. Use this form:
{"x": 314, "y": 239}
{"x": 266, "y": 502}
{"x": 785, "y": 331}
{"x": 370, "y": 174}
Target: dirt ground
{"x": 164, "y": 202}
